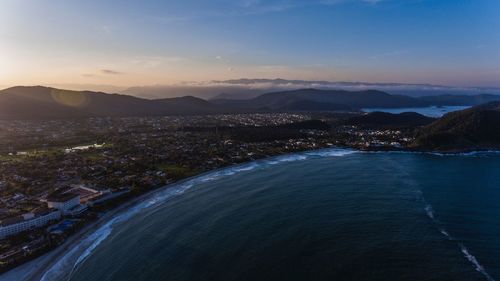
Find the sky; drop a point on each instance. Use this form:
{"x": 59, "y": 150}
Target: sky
{"x": 127, "y": 43}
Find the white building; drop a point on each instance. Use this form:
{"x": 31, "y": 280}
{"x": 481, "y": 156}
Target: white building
{"x": 63, "y": 202}
{"x": 26, "y": 222}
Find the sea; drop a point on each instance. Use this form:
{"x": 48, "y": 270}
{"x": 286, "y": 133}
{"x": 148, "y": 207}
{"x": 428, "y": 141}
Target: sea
{"x": 431, "y": 111}
{"x": 330, "y": 214}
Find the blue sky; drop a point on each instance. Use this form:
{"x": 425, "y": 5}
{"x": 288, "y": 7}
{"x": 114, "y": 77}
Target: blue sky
{"x": 125, "y": 43}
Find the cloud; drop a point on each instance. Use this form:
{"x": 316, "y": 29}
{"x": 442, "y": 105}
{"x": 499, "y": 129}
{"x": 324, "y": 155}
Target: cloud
{"x": 155, "y": 61}
{"x": 111, "y": 72}
{"x": 237, "y": 8}
{"x": 170, "y": 19}
{"x": 249, "y": 7}
{"x": 101, "y": 73}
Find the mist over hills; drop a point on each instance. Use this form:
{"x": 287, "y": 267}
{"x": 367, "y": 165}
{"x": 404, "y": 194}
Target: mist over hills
{"x": 238, "y": 89}
{"x": 354, "y": 99}
{"x": 44, "y": 103}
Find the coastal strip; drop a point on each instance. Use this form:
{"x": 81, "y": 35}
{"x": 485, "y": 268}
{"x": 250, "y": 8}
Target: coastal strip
{"x": 80, "y": 245}
{"x": 59, "y": 263}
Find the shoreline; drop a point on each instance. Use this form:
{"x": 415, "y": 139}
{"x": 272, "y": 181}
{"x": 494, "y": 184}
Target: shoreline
{"x": 35, "y": 269}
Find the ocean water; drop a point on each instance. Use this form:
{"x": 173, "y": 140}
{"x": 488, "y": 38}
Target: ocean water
{"x": 431, "y": 111}
{"x": 324, "y": 215}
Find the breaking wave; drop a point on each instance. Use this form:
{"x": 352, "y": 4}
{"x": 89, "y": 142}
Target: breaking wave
{"x": 66, "y": 265}
{"x": 478, "y": 153}
{"x": 429, "y": 211}
{"x": 472, "y": 259}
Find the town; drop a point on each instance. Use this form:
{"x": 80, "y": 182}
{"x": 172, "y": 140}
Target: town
{"x": 58, "y": 176}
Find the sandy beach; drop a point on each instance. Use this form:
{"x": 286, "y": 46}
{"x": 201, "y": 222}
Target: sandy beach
{"x": 35, "y": 269}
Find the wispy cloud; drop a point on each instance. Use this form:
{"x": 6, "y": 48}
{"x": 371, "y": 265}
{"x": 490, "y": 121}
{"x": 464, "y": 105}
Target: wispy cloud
{"x": 170, "y": 19}
{"x": 253, "y": 7}
{"x": 111, "y": 72}
{"x": 155, "y": 61}
{"x": 337, "y": 2}
{"x": 102, "y": 73}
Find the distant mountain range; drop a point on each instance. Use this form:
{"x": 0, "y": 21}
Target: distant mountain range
{"x": 44, "y": 102}
{"x": 474, "y": 128}
{"x": 239, "y": 89}
{"x": 347, "y": 100}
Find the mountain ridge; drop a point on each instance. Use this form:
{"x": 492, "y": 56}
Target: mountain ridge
{"x": 44, "y": 102}
{"x": 474, "y": 128}
{"x": 39, "y": 102}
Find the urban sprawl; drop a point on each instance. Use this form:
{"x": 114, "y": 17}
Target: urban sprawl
{"x": 58, "y": 176}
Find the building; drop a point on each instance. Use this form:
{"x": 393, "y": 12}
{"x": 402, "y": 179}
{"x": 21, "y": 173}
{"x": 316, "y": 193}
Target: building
{"x": 86, "y": 193}
{"x": 108, "y": 195}
{"x": 63, "y": 202}
{"x": 27, "y": 221}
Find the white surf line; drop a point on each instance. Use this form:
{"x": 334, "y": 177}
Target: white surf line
{"x": 472, "y": 259}
{"x": 92, "y": 241}
{"x": 477, "y": 153}
{"x": 431, "y": 214}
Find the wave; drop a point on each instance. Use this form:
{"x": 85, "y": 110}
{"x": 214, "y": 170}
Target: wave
{"x": 429, "y": 210}
{"x": 472, "y": 259}
{"x": 478, "y": 153}
{"x": 80, "y": 252}
{"x": 470, "y": 153}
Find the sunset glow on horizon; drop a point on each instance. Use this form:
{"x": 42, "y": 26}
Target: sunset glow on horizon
{"x": 130, "y": 43}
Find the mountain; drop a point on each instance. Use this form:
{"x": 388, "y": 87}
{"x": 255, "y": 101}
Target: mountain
{"x": 243, "y": 89}
{"x": 346, "y": 100}
{"x": 383, "y": 120}
{"x": 355, "y": 99}
{"x": 474, "y": 128}
{"x": 205, "y": 91}
{"x": 46, "y": 103}
{"x": 308, "y": 105}
{"x": 460, "y": 100}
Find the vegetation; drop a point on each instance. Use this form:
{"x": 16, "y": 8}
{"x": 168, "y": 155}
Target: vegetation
{"x": 474, "y": 128}
{"x": 383, "y": 120}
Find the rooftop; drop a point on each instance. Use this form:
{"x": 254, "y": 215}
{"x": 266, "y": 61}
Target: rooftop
{"x": 61, "y": 197}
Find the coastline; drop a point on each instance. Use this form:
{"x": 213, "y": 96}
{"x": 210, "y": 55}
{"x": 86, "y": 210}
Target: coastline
{"x": 34, "y": 270}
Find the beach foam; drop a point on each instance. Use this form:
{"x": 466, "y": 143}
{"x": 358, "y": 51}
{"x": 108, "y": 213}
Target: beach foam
{"x": 429, "y": 210}
{"x": 73, "y": 258}
{"x": 484, "y": 153}
{"x": 475, "y": 262}
{"x": 472, "y": 259}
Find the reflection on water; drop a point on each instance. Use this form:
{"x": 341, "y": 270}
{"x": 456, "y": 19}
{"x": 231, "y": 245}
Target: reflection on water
{"x": 431, "y": 111}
